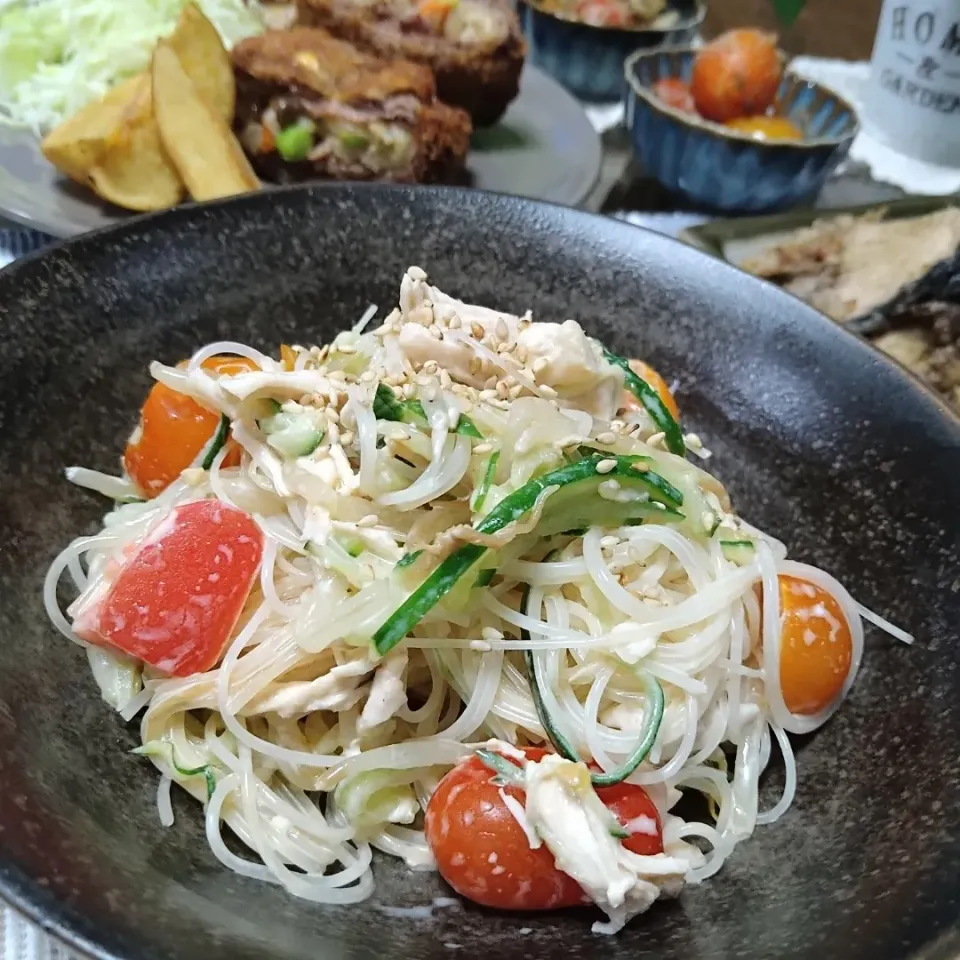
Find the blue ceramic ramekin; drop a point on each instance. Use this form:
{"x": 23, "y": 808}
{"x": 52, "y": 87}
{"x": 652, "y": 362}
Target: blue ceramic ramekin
{"x": 722, "y": 169}
{"x": 588, "y": 60}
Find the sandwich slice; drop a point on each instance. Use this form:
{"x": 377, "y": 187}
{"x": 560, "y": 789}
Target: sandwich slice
{"x": 310, "y": 106}
{"x": 474, "y": 47}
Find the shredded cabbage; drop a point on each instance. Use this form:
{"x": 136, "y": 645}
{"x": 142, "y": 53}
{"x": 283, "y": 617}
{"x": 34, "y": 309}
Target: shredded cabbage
{"x": 56, "y": 56}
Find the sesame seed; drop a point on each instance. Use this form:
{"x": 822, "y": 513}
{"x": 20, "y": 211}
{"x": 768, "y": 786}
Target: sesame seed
{"x": 640, "y": 466}
{"x": 516, "y": 390}
{"x": 368, "y": 376}
{"x": 316, "y": 352}
{"x": 548, "y": 392}
{"x": 491, "y": 634}
{"x": 476, "y": 363}
{"x": 708, "y": 518}
{"x": 445, "y": 379}
{"x": 332, "y": 415}
{"x": 454, "y": 322}
{"x": 607, "y": 437}
{"x": 477, "y": 330}
{"x": 617, "y": 426}
{"x": 693, "y": 441}
{"x": 605, "y": 466}
{"x": 502, "y": 391}
{"x": 491, "y": 382}
{"x": 540, "y": 364}
{"x": 481, "y": 646}
{"x": 608, "y": 543}
{"x": 338, "y": 375}
{"x": 430, "y": 366}
{"x": 655, "y": 439}
{"x": 502, "y": 330}
{"x": 416, "y": 273}
{"x": 504, "y": 347}
{"x": 306, "y": 400}
{"x": 520, "y": 353}
{"x": 435, "y": 332}
{"x": 483, "y": 448}
{"x": 347, "y": 348}
{"x": 370, "y": 520}
{"x": 487, "y": 394}
{"x": 409, "y": 391}
{"x": 346, "y": 437}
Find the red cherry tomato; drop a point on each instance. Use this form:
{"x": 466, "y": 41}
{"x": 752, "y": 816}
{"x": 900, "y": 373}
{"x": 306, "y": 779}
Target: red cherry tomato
{"x": 601, "y": 13}
{"x": 176, "y": 601}
{"x": 483, "y": 853}
{"x": 173, "y": 429}
{"x": 675, "y": 93}
{"x": 736, "y": 75}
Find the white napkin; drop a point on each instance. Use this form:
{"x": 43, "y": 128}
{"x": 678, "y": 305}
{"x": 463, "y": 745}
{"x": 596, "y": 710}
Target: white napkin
{"x": 913, "y": 176}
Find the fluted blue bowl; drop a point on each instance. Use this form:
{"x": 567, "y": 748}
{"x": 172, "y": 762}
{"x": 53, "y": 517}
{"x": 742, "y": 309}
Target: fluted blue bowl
{"x": 722, "y": 169}
{"x": 589, "y": 60}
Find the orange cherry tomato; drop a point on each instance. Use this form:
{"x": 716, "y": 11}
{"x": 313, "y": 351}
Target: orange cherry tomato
{"x": 176, "y": 601}
{"x": 767, "y": 128}
{"x": 675, "y": 93}
{"x": 483, "y": 853}
{"x": 816, "y": 646}
{"x": 173, "y": 429}
{"x": 653, "y": 379}
{"x": 736, "y": 75}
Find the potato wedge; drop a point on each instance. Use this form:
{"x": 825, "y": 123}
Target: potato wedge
{"x": 75, "y": 146}
{"x": 203, "y": 148}
{"x": 133, "y": 170}
{"x": 205, "y": 61}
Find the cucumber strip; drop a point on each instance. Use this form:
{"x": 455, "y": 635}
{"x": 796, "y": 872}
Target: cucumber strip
{"x": 291, "y": 434}
{"x": 508, "y": 773}
{"x": 219, "y": 439}
{"x": 426, "y": 596}
{"x": 486, "y": 482}
{"x": 563, "y": 746}
{"x": 738, "y": 551}
{"x": 485, "y": 576}
{"x": 655, "y": 481}
{"x": 407, "y": 559}
{"x": 659, "y": 414}
{"x": 570, "y": 506}
{"x": 387, "y": 406}
{"x": 155, "y": 749}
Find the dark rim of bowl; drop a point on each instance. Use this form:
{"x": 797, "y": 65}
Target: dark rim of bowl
{"x": 695, "y": 20}
{"x": 807, "y": 143}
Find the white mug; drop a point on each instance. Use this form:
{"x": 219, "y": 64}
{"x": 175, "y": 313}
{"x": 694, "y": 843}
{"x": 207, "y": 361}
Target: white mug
{"x": 912, "y": 103}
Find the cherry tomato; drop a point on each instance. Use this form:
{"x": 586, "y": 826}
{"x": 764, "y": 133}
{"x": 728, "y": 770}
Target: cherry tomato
{"x": 767, "y": 128}
{"x": 601, "y": 13}
{"x": 816, "y": 646}
{"x": 176, "y": 601}
{"x": 483, "y": 853}
{"x": 736, "y": 75}
{"x": 173, "y": 429}
{"x": 675, "y": 93}
{"x": 653, "y": 379}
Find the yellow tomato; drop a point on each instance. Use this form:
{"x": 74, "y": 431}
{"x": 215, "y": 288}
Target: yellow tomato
{"x": 816, "y": 646}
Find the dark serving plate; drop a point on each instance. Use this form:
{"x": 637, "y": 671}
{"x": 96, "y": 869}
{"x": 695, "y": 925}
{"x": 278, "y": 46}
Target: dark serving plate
{"x": 820, "y": 439}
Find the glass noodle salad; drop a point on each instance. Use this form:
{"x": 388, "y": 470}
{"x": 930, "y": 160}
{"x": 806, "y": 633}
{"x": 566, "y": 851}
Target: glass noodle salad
{"x": 454, "y": 587}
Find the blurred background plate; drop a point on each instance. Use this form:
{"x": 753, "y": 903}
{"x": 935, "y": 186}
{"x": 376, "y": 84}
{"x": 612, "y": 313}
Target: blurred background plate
{"x": 545, "y": 148}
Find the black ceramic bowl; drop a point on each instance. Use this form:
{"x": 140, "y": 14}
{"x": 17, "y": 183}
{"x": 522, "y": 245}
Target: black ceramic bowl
{"x": 821, "y": 440}
{"x": 588, "y": 60}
